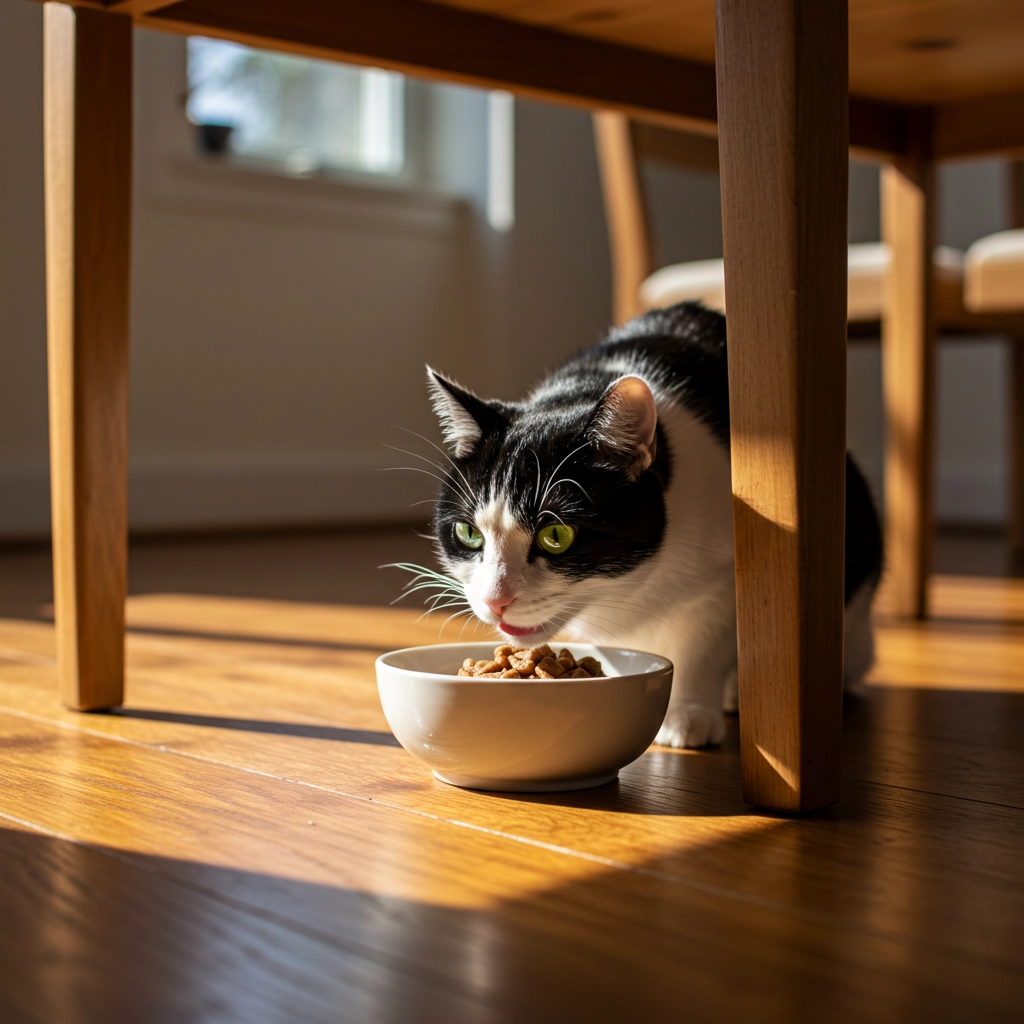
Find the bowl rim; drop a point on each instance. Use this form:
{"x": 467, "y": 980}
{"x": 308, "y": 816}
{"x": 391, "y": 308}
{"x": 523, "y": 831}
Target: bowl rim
{"x": 663, "y": 665}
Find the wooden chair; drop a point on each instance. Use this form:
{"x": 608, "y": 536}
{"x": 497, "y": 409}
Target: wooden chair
{"x": 994, "y": 286}
{"x": 909, "y": 399}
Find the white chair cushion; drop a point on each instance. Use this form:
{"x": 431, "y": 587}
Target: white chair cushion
{"x": 867, "y": 265}
{"x": 701, "y": 280}
{"x": 994, "y": 273}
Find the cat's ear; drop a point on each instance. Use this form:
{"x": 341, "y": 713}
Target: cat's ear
{"x": 625, "y": 425}
{"x": 464, "y": 417}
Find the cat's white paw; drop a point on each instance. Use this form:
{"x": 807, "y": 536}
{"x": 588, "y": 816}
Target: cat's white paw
{"x": 691, "y": 725}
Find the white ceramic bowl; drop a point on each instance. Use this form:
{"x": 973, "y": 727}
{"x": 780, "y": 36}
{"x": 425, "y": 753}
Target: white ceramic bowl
{"x": 523, "y": 735}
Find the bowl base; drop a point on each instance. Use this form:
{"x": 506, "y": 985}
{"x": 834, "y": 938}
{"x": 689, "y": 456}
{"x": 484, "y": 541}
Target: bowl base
{"x": 526, "y": 785}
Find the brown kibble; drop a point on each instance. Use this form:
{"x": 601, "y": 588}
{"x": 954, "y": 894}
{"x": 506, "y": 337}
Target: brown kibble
{"x": 550, "y": 667}
{"x": 539, "y": 662}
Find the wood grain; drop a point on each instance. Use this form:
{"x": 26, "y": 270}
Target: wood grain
{"x": 1016, "y": 398}
{"x": 782, "y": 134}
{"x": 388, "y": 894}
{"x": 395, "y": 884}
{"x": 629, "y": 240}
{"x": 981, "y": 125}
{"x": 88, "y": 212}
{"x": 188, "y": 811}
{"x": 684, "y": 149}
{"x": 958, "y": 57}
{"x": 908, "y": 371}
{"x": 917, "y": 51}
{"x": 437, "y": 40}
{"x": 1015, "y": 448}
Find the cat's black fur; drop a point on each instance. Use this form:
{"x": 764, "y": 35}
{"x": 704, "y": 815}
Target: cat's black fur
{"x": 620, "y": 520}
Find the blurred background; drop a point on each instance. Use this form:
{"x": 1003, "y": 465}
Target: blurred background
{"x": 308, "y": 236}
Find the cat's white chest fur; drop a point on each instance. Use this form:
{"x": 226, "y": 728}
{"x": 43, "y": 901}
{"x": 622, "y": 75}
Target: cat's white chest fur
{"x": 681, "y": 602}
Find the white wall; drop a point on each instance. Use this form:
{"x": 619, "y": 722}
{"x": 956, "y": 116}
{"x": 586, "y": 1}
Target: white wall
{"x": 280, "y": 327}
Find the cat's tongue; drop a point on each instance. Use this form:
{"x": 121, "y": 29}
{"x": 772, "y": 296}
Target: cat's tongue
{"x": 517, "y": 630}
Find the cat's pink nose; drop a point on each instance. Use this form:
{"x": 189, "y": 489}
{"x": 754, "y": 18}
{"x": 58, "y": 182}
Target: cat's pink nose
{"x": 499, "y": 604}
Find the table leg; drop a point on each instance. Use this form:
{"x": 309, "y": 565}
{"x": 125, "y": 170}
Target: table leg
{"x": 908, "y": 378}
{"x": 782, "y": 109}
{"x": 87, "y": 96}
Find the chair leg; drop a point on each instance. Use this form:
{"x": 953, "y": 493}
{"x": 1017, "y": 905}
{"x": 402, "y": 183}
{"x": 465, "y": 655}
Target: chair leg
{"x": 628, "y": 236}
{"x": 782, "y": 101}
{"x": 1016, "y": 453}
{"x": 87, "y": 90}
{"x": 908, "y": 373}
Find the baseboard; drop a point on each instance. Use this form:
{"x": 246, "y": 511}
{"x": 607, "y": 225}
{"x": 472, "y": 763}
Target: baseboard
{"x": 174, "y": 496}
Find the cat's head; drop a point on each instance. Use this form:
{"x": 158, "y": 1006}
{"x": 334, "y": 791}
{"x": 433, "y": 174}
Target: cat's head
{"x": 547, "y": 503}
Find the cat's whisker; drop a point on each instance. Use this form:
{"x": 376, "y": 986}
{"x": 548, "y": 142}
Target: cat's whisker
{"x": 548, "y": 512}
{"x": 576, "y": 622}
{"x": 448, "y": 478}
{"x": 462, "y": 489}
{"x": 584, "y": 605}
{"x": 430, "y": 585}
{"x": 439, "y": 605}
{"x": 449, "y": 619}
{"x": 536, "y": 487}
{"x": 593, "y": 639}
{"x": 544, "y": 496}
{"x": 411, "y": 469}
{"x": 569, "y": 480}
{"x": 448, "y": 589}
{"x": 443, "y": 452}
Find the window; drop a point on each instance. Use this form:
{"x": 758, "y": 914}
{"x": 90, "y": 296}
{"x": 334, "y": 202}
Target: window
{"x": 305, "y": 116}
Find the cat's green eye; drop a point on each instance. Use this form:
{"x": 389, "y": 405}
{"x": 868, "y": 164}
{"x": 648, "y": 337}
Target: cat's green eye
{"x": 469, "y": 536}
{"x": 556, "y": 539}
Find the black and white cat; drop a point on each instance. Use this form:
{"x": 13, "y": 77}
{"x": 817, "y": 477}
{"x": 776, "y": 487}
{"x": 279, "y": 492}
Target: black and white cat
{"x": 599, "y": 508}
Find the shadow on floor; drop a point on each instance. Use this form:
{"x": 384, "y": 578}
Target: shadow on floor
{"x": 370, "y": 737}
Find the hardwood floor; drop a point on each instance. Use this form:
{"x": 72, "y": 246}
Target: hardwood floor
{"x": 245, "y": 841}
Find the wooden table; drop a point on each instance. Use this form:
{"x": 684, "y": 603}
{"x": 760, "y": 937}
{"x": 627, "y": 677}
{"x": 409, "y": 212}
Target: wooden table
{"x": 931, "y": 79}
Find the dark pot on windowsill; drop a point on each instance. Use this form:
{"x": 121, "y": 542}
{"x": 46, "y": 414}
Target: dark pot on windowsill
{"x": 214, "y": 138}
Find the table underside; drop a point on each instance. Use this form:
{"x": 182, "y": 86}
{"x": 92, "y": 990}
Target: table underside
{"x": 953, "y": 62}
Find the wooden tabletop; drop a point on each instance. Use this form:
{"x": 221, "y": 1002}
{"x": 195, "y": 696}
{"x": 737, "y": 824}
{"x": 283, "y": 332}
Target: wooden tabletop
{"x": 914, "y": 51}
{"x": 956, "y": 62}
{"x": 245, "y": 841}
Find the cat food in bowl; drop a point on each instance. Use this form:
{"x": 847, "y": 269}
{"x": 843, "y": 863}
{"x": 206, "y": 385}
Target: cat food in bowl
{"x": 523, "y": 734}
{"x": 541, "y": 662}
